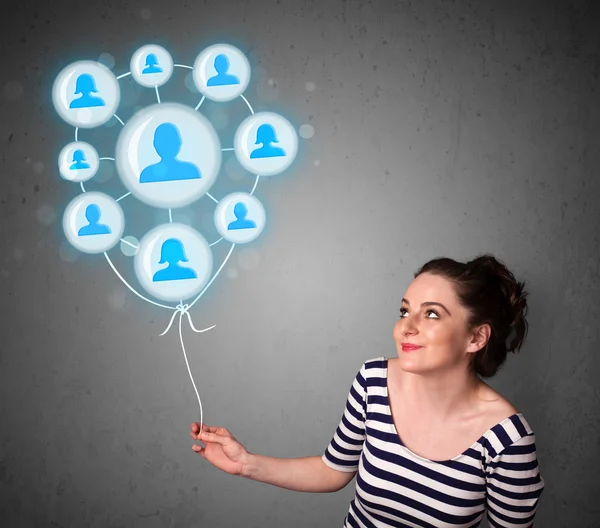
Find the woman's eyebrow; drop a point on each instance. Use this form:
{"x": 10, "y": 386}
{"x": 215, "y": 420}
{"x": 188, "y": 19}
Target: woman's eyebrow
{"x": 428, "y": 303}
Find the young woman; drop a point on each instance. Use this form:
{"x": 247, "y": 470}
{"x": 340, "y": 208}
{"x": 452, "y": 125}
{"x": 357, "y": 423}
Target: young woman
{"x": 433, "y": 445}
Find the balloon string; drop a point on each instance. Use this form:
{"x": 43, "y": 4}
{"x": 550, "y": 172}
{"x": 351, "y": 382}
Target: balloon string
{"x": 181, "y": 310}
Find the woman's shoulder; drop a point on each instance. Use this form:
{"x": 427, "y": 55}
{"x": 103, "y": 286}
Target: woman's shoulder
{"x": 374, "y": 367}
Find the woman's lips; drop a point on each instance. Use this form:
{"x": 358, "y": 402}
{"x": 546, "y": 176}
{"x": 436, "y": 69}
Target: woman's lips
{"x": 407, "y": 348}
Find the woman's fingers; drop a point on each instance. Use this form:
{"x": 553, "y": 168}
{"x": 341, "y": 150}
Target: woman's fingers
{"x": 196, "y": 427}
{"x": 213, "y": 437}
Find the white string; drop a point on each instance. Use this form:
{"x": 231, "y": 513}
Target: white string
{"x": 183, "y": 309}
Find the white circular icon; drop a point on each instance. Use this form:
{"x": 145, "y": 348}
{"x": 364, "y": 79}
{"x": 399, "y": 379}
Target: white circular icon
{"x": 93, "y": 222}
{"x": 265, "y": 143}
{"x": 78, "y": 161}
{"x": 151, "y": 65}
{"x": 240, "y": 217}
{"x": 168, "y": 155}
{"x": 174, "y": 262}
{"x": 86, "y": 94}
{"x": 221, "y": 72}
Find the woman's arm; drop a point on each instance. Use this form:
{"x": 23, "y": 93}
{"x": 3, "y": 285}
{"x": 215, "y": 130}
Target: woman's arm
{"x": 309, "y": 474}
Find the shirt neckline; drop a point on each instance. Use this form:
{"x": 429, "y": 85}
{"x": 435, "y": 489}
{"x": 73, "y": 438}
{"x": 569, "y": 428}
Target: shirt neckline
{"x": 393, "y": 427}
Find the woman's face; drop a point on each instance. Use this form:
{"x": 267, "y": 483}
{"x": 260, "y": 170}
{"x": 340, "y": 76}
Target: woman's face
{"x": 440, "y": 330}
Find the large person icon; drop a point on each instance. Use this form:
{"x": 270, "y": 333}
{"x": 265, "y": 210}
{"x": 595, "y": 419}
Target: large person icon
{"x": 167, "y": 143}
{"x": 168, "y": 155}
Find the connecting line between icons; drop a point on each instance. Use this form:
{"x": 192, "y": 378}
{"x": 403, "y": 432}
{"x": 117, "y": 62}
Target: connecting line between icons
{"x": 170, "y": 210}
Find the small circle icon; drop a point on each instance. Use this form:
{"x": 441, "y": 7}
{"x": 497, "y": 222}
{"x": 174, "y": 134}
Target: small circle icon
{"x": 168, "y": 155}
{"x": 78, "y": 161}
{"x": 93, "y": 222}
{"x": 221, "y": 72}
{"x": 240, "y": 217}
{"x": 151, "y": 66}
{"x": 86, "y": 94}
{"x": 174, "y": 262}
{"x": 265, "y": 143}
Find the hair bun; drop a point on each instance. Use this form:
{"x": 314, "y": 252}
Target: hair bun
{"x": 513, "y": 292}
{"x": 486, "y": 264}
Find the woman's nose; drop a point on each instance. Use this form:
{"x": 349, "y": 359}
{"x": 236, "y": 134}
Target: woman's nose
{"x": 408, "y": 327}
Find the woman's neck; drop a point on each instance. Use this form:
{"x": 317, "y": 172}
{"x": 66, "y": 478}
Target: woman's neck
{"x": 441, "y": 396}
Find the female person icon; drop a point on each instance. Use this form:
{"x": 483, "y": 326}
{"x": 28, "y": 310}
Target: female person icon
{"x": 85, "y": 85}
{"x": 172, "y": 252}
{"x": 266, "y": 135}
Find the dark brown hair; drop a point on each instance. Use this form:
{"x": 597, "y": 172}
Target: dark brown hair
{"x": 490, "y": 294}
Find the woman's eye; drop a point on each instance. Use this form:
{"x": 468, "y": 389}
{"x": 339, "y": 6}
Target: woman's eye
{"x": 402, "y": 310}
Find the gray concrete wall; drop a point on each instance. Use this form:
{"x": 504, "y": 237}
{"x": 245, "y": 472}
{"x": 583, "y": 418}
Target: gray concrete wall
{"x": 440, "y": 128}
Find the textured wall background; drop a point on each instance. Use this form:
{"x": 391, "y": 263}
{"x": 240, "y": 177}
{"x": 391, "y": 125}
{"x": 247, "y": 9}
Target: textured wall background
{"x": 440, "y": 128}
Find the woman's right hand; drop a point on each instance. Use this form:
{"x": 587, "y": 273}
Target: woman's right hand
{"x": 222, "y": 450}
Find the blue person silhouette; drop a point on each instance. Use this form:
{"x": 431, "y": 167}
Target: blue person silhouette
{"x": 240, "y": 211}
{"x": 266, "y": 135}
{"x": 152, "y": 64}
{"x": 79, "y": 161}
{"x": 85, "y": 85}
{"x": 172, "y": 252}
{"x": 167, "y": 143}
{"x": 92, "y": 214}
{"x": 222, "y": 78}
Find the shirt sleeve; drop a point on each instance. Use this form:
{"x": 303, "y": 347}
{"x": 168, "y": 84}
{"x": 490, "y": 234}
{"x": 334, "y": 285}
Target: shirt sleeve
{"x": 343, "y": 452}
{"x": 514, "y": 485}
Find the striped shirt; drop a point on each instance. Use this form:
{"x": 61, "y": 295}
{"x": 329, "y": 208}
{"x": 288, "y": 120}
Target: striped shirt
{"x": 396, "y": 487}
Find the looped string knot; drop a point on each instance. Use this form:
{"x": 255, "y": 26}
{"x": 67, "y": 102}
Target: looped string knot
{"x": 183, "y": 309}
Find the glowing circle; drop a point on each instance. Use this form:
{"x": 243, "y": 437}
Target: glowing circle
{"x": 151, "y": 65}
{"x": 86, "y": 94}
{"x": 240, "y": 217}
{"x": 189, "y": 159}
{"x": 93, "y": 222}
{"x": 78, "y": 162}
{"x": 174, "y": 262}
{"x": 265, "y": 143}
{"x": 221, "y": 72}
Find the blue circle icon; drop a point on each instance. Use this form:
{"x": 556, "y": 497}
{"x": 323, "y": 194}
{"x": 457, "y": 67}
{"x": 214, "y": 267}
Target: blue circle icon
{"x": 86, "y": 94}
{"x": 265, "y": 143}
{"x": 174, "y": 262}
{"x": 240, "y": 217}
{"x": 93, "y": 222}
{"x": 78, "y": 161}
{"x": 168, "y": 155}
{"x": 221, "y": 72}
{"x": 151, "y": 65}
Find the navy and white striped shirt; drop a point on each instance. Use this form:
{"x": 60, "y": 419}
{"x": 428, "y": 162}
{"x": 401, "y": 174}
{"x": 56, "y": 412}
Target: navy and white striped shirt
{"x": 395, "y": 487}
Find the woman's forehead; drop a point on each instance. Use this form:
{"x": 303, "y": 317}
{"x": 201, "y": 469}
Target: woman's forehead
{"x": 430, "y": 288}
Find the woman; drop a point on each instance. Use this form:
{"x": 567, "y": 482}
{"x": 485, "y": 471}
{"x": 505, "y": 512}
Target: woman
{"x": 433, "y": 445}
